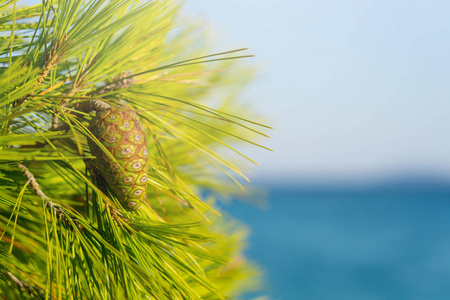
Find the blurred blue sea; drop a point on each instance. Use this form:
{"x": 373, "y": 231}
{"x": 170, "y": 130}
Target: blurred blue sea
{"x": 381, "y": 242}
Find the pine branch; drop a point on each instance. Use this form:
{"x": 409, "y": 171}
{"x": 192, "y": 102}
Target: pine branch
{"x": 86, "y": 106}
{"x": 34, "y": 184}
{"x": 51, "y": 61}
{"x": 105, "y": 251}
{"x": 92, "y": 105}
{"x": 31, "y": 290}
{"x": 122, "y": 81}
{"x": 58, "y": 211}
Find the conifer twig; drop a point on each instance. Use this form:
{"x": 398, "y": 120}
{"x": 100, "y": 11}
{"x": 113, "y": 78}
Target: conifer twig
{"x": 52, "y": 60}
{"x": 93, "y": 105}
{"x": 122, "y": 81}
{"x": 119, "y": 82}
{"x": 99, "y": 105}
{"x": 87, "y": 106}
{"x": 34, "y": 184}
{"x": 22, "y": 284}
{"x": 58, "y": 210}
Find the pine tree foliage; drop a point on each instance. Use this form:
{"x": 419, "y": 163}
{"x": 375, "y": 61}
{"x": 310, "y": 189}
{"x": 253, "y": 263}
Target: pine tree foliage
{"x": 64, "y": 235}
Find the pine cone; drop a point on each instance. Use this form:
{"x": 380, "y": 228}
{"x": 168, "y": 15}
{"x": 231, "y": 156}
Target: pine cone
{"x": 119, "y": 130}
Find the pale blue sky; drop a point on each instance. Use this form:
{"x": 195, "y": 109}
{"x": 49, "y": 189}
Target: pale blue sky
{"x": 355, "y": 89}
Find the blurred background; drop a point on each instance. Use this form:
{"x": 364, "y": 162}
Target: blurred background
{"x": 359, "y": 182}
